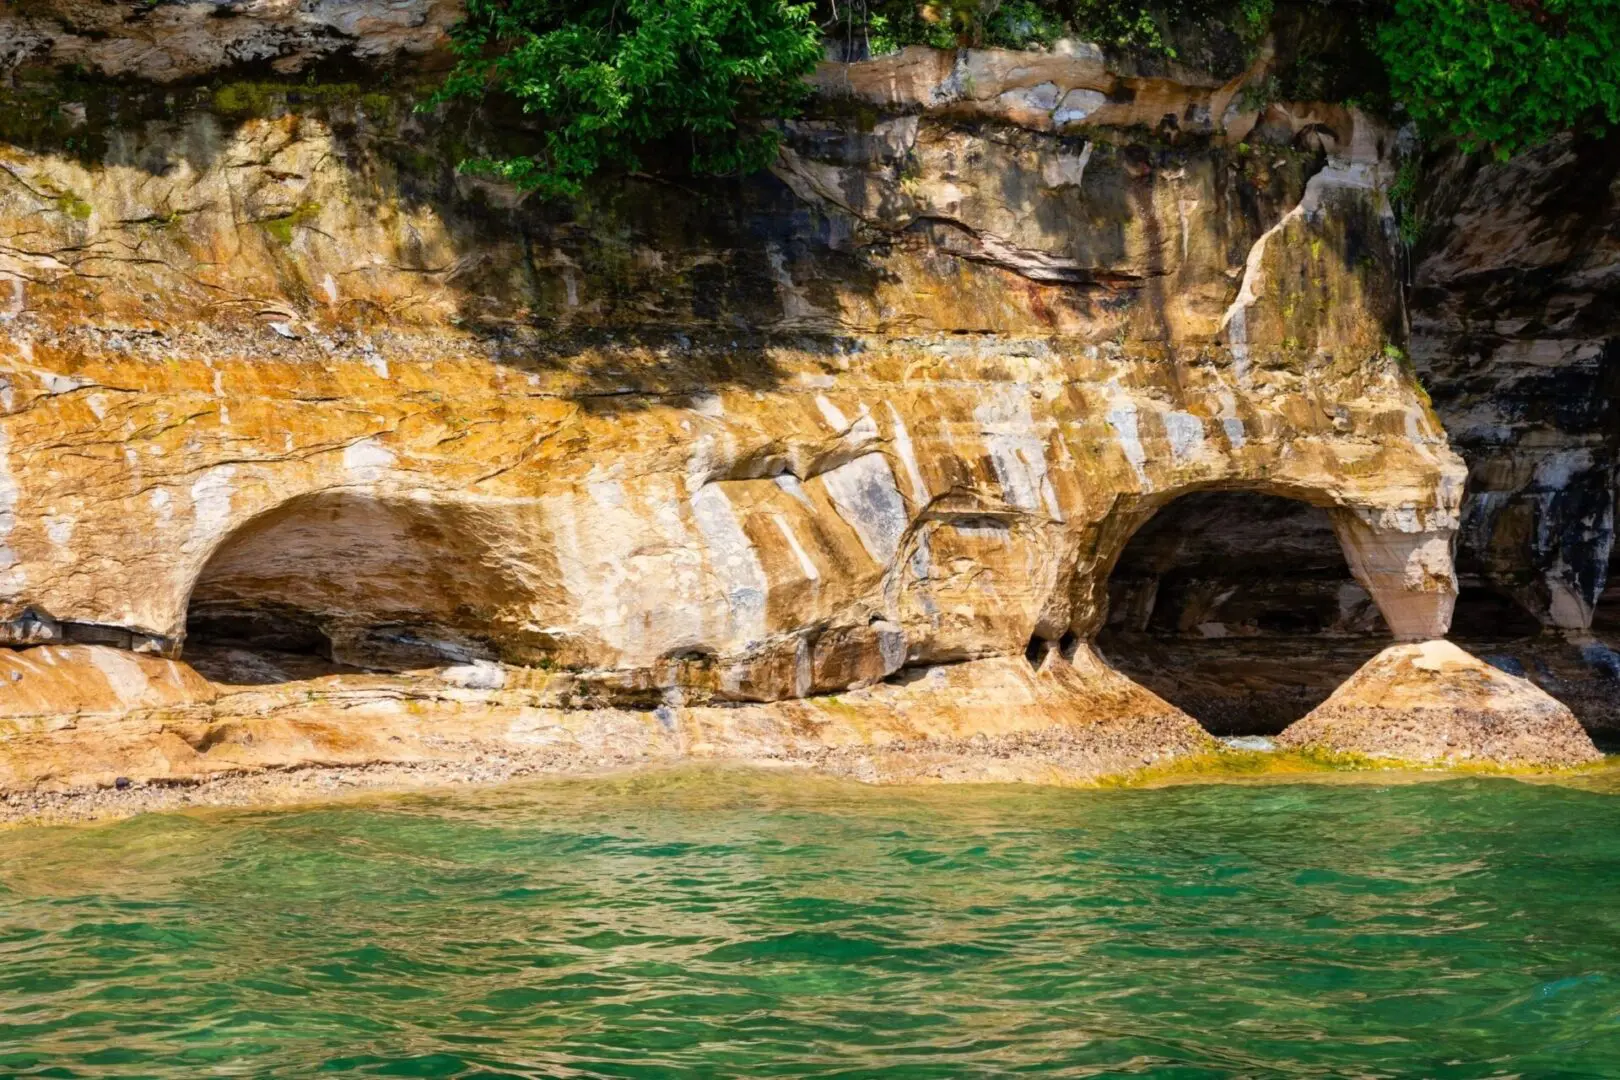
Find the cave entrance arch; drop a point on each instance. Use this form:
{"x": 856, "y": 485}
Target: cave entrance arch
{"x": 1239, "y": 608}
{"x": 339, "y": 581}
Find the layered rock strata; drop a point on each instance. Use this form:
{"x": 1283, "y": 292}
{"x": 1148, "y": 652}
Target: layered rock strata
{"x": 834, "y": 461}
{"x": 1516, "y": 332}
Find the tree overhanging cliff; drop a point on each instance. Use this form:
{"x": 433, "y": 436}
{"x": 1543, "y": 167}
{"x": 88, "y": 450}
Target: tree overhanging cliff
{"x": 610, "y": 78}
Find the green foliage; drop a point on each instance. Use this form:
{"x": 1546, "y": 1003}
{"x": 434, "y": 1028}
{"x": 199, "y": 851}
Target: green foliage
{"x": 1135, "y": 25}
{"x": 886, "y": 26}
{"x": 1403, "y": 197}
{"x": 613, "y": 77}
{"x": 1125, "y": 25}
{"x": 1504, "y": 74}
{"x": 1023, "y": 24}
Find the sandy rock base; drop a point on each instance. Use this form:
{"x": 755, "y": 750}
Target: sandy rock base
{"x": 1433, "y": 703}
{"x": 93, "y": 718}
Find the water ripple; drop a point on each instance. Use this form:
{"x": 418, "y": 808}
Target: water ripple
{"x": 724, "y": 924}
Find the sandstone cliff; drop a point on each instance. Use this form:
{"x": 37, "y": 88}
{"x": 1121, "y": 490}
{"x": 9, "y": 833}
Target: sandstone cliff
{"x": 836, "y": 460}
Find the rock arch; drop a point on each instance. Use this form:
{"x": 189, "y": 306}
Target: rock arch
{"x": 1218, "y": 594}
{"x": 359, "y": 580}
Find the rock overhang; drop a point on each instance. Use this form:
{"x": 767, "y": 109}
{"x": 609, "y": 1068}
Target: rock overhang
{"x": 902, "y": 408}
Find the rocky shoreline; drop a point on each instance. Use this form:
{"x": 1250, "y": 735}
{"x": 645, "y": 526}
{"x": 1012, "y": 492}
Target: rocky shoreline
{"x": 979, "y": 761}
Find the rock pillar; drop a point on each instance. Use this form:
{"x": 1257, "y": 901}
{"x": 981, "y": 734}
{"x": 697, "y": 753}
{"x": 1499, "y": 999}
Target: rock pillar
{"x": 1407, "y": 571}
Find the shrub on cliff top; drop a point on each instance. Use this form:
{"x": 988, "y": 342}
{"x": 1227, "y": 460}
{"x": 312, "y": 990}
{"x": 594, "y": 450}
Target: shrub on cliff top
{"x": 1135, "y": 25}
{"x": 1504, "y": 74}
{"x": 613, "y": 77}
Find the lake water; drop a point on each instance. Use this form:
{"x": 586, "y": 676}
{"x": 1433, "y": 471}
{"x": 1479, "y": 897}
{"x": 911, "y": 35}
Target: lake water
{"x": 731, "y": 924}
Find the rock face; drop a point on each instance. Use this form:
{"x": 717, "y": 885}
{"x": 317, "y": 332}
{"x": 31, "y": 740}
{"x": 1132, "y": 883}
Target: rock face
{"x": 836, "y": 460}
{"x": 168, "y": 42}
{"x": 1516, "y": 334}
{"x": 1432, "y": 703}
{"x": 94, "y": 714}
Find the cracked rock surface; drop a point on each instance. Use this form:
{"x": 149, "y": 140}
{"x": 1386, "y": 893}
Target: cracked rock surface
{"x": 827, "y": 465}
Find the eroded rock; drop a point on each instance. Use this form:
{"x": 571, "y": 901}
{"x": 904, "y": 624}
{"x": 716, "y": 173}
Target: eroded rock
{"x": 827, "y": 465}
{"x": 1431, "y": 703}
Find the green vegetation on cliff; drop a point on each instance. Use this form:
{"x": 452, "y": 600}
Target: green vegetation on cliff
{"x": 1139, "y": 25}
{"x": 1504, "y": 74}
{"x": 615, "y": 77}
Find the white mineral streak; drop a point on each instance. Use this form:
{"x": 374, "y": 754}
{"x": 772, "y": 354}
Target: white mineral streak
{"x": 703, "y": 460}
{"x": 734, "y": 561}
{"x": 125, "y": 676}
{"x": 1122, "y": 418}
{"x": 1040, "y": 98}
{"x": 1555, "y": 471}
{"x": 591, "y": 571}
{"x": 366, "y": 461}
{"x": 790, "y": 484}
{"x": 1234, "y": 326}
{"x": 832, "y": 414}
{"x": 478, "y": 675}
{"x": 59, "y": 529}
{"x": 806, "y": 565}
{"x": 11, "y": 577}
{"x": 709, "y": 405}
{"x": 863, "y": 431}
{"x": 210, "y": 506}
{"x": 796, "y": 305}
{"x": 1066, "y": 169}
{"x": 219, "y": 392}
{"x": 920, "y": 495}
{"x": 1567, "y": 608}
{"x": 804, "y": 669}
{"x": 630, "y": 564}
{"x": 16, "y": 303}
{"x": 1186, "y": 434}
{"x": 1076, "y": 106}
{"x": 61, "y": 384}
{"x": 1017, "y": 450}
{"x": 1231, "y": 423}
{"x": 864, "y": 493}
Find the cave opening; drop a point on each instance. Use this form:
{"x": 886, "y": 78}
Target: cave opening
{"x": 1239, "y": 609}
{"x": 342, "y": 583}
{"x": 1606, "y": 615}
{"x": 1485, "y": 614}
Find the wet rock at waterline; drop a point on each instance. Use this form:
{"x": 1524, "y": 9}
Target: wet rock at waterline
{"x": 1432, "y": 703}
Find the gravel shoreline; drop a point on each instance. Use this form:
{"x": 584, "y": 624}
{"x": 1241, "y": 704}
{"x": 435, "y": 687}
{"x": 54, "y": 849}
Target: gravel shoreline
{"x": 270, "y": 789}
{"x": 1048, "y": 757}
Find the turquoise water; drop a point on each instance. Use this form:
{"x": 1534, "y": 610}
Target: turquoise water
{"x": 731, "y": 924}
